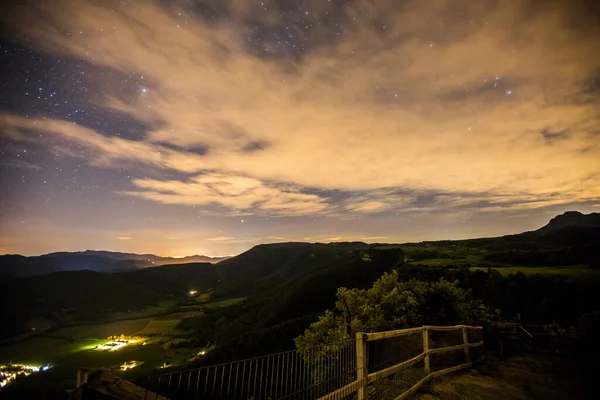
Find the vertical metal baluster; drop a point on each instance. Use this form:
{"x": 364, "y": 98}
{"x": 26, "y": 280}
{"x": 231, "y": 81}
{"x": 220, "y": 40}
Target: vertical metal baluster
{"x": 301, "y": 369}
{"x": 346, "y": 363}
{"x": 229, "y": 379}
{"x": 272, "y": 375}
{"x": 206, "y": 382}
{"x": 262, "y": 367}
{"x": 289, "y": 377}
{"x": 237, "y": 369}
{"x": 311, "y": 370}
{"x": 291, "y": 373}
{"x": 277, "y": 376}
{"x": 334, "y": 371}
{"x": 267, "y": 377}
{"x": 179, "y": 382}
{"x": 296, "y": 372}
{"x": 339, "y": 373}
{"x": 222, "y": 380}
{"x": 158, "y": 386}
{"x": 249, "y": 379}
{"x": 321, "y": 371}
{"x": 215, "y": 380}
{"x": 328, "y": 370}
{"x": 320, "y": 378}
{"x": 243, "y": 378}
{"x": 309, "y": 366}
{"x": 170, "y": 376}
{"x": 255, "y": 375}
{"x": 284, "y": 375}
{"x": 198, "y": 381}
{"x": 189, "y": 381}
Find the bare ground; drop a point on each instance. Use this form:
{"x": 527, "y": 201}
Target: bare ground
{"x": 523, "y": 377}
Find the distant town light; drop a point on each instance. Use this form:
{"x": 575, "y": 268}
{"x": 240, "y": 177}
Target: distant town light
{"x": 118, "y": 342}
{"x": 129, "y": 365}
{"x": 11, "y": 372}
{"x": 193, "y": 292}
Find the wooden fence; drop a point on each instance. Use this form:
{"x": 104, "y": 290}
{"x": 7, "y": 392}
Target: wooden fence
{"x": 364, "y": 378}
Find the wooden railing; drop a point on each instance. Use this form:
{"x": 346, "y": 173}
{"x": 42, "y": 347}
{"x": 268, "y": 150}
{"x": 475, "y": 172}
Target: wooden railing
{"x": 364, "y": 378}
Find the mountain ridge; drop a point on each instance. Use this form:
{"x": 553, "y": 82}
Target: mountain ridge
{"x": 572, "y": 227}
{"x": 15, "y": 265}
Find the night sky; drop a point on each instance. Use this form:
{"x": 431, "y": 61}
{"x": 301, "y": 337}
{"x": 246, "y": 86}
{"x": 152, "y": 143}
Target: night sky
{"x": 206, "y": 127}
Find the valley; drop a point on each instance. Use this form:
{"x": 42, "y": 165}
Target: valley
{"x": 260, "y": 301}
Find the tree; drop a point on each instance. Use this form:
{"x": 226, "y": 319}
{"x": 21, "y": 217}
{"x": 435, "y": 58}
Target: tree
{"x": 390, "y": 304}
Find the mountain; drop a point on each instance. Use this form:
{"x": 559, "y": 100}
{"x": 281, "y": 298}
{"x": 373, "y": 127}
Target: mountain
{"x": 571, "y": 238}
{"x": 571, "y": 220}
{"x": 267, "y": 265}
{"x": 156, "y": 260}
{"x": 99, "y": 261}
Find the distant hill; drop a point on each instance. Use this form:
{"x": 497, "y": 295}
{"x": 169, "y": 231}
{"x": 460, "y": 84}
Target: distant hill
{"x": 267, "y": 265}
{"x": 156, "y": 260}
{"x": 571, "y": 238}
{"x": 99, "y": 261}
{"x": 70, "y": 296}
{"x": 571, "y": 219}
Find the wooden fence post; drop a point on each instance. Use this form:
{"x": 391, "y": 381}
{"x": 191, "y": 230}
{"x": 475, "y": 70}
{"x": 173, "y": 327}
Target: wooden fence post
{"x": 361, "y": 365}
{"x": 79, "y": 373}
{"x": 466, "y": 342}
{"x": 426, "y": 350}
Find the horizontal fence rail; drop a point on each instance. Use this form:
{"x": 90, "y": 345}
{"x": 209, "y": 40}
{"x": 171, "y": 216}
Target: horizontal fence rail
{"x": 391, "y": 364}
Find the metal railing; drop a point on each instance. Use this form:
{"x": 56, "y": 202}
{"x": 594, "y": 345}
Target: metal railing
{"x": 380, "y": 365}
{"x": 309, "y": 374}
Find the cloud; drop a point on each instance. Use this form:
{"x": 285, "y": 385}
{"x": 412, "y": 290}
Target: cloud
{"x": 334, "y": 239}
{"x": 231, "y": 192}
{"x": 492, "y": 110}
{"x": 221, "y": 238}
{"x": 20, "y": 164}
{"x": 371, "y": 238}
{"x": 124, "y": 238}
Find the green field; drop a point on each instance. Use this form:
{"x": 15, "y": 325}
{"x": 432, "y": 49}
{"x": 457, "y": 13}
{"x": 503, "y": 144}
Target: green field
{"x": 224, "y": 303}
{"x": 73, "y": 346}
{"x": 573, "y": 271}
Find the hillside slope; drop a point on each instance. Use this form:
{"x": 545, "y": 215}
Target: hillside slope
{"x": 71, "y": 296}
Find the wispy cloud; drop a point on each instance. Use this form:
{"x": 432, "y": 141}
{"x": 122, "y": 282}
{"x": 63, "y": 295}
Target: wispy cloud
{"x": 124, "y": 238}
{"x": 19, "y": 164}
{"x": 221, "y": 239}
